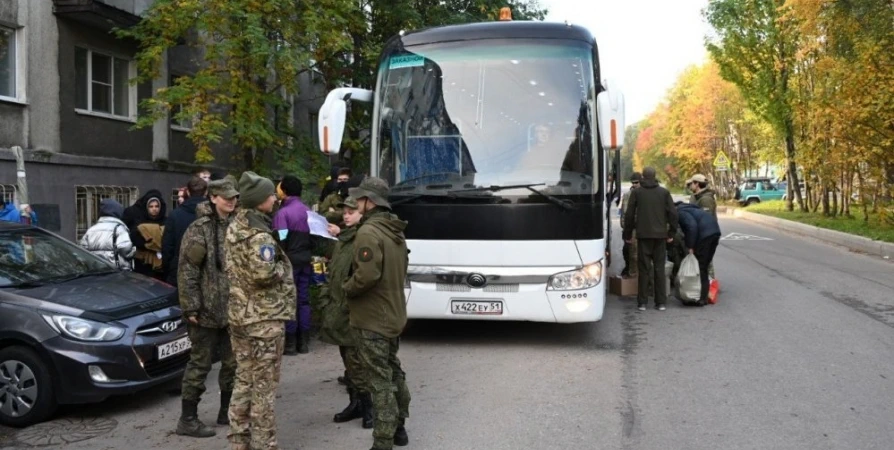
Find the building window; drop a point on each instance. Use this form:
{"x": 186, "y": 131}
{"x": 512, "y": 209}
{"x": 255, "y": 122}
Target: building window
{"x": 87, "y": 199}
{"x": 183, "y": 124}
{"x": 103, "y": 84}
{"x": 314, "y": 130}
{"x": 8, "y": 193}
{"x": 9, "y": 55}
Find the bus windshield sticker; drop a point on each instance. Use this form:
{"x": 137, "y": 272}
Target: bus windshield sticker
{"x": 405, "y": 61}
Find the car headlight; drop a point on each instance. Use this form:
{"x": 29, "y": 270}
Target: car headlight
{"x": 83, "y": 329}
{"x": 583, "y": 278}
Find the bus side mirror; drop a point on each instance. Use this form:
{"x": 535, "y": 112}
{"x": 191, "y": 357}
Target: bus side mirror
{"x": 610, "y": 110}
{"x": 333, "y": 115}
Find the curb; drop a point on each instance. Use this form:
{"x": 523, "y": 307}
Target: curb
{"x": 849, "y": 241}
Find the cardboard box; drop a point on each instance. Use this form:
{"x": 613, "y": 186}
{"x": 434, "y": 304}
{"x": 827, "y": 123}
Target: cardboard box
{"x": 623, "y": 287}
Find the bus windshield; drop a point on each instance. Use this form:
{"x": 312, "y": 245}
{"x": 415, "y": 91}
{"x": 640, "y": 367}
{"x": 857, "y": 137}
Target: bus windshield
{"x": 470, "y": 114}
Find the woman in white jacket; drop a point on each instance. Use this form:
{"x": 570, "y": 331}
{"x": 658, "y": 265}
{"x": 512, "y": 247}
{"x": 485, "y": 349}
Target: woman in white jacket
{"x": 109, "y": 238}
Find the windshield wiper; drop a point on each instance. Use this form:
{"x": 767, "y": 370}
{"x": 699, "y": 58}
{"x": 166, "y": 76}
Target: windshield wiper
{"x": 23, "y": 284}
{"x": 565, "y": 204}
{"x": 89, "y": 273}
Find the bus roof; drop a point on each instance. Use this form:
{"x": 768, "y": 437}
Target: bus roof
{"x": 498, "y": 30}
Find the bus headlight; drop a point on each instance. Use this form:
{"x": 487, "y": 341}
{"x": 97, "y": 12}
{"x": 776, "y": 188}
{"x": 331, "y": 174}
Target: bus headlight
{"x": 583, "y": 278}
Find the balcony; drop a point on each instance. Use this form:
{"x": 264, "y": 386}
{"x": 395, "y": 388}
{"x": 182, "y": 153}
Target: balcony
{"x": 102, "y": 14}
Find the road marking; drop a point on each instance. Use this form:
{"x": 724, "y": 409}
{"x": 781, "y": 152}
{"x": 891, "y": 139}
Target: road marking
{"x": 744, "y": 237}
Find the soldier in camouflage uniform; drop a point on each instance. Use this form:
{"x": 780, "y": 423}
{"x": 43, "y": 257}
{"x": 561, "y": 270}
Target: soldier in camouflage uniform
{"x": 204, "y": 293}
{"x": 329, "y": 207}
{"x": 378, "y": 309}
{"x": 262, "y": 299}
{"x": 336, "y": 327}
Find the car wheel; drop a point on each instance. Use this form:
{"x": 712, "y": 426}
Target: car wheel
{"x": 752, "y": 201}
{"x": 26, "y": 392}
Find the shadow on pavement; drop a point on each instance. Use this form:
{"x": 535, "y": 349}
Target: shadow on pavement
{"x": 496, "y": 333}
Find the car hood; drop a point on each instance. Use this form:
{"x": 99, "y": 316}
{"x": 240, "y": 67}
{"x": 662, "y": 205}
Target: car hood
{"x": 112, "y": 296}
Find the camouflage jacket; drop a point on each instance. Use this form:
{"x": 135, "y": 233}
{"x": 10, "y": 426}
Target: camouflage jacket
{"x": 203, "y": 285}
{"x": 331, "y": 201}
{"x": 335, "y": 327}
{"x": 261, "y": 284}
{"x": 375, "y": 289}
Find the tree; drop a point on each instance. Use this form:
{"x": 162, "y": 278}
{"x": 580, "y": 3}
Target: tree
{"x": 252, "y": 53}
{"x": 755, "y": 47}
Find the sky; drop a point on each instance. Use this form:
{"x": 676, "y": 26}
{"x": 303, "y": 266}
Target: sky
{"x": 643, "y": 44}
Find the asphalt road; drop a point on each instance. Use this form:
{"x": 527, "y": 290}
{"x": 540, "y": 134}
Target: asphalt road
{"x": 798, "y": 354}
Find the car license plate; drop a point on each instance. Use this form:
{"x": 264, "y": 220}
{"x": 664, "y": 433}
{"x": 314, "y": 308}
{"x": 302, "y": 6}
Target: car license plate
{"x": 476, "y": 307}
{"x": 174, "y": 347}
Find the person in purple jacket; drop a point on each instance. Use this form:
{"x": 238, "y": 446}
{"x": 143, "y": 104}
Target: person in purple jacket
{"x": 291, "y": 228}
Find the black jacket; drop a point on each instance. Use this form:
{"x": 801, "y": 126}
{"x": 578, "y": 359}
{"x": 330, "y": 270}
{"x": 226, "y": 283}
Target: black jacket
{"x": 175, "y": 227}
{"x": 650, "y": 211}
{"x": 697, "y": 224}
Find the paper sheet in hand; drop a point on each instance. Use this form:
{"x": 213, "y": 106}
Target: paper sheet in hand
{"x": 319, "y": 226}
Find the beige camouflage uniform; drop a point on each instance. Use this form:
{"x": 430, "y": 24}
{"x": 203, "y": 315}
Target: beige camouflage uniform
{"x": 262, "y": 299}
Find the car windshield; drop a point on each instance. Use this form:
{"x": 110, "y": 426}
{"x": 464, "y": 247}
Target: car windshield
{"x": 488, "y": 113}
{"x": 30, "y": 256}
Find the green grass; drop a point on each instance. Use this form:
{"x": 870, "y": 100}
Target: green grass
{"x": 874, "y": 229}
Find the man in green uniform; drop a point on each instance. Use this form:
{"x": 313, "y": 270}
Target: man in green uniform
{"x": 652, "y": 215}
{"x": 378, "y": 311}
{"x": 204, "y": 293}
{"x": 629, "y": 249}
{"x": 336, "y": 327}
{"x": 705, "y": 198}
{"x": 262, "y": 299}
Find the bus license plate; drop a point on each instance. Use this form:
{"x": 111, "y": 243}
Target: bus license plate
{"x": 174, "y": 347}
{"x": 485, "y": 308}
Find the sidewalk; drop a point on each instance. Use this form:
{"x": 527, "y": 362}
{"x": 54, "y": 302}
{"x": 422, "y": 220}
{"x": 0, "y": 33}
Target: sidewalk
{"x": 854, "y": 243}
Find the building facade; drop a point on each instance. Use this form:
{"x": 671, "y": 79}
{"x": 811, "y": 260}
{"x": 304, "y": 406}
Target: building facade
{"x": 65, "y": 98}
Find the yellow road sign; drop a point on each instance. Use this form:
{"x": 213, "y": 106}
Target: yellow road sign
{"x": 721, "y": 160}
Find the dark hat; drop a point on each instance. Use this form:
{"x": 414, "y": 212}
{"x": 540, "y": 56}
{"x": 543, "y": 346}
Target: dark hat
{"x": 636, "y": 176}
{"x": 350, "y": 203}
{"x": 225, "y": 188}
{"x": 254, "y": 189}
{"x": 373, "y": 188}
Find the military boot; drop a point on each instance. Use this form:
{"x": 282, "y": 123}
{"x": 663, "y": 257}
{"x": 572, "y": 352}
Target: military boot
{"x": 222, "y": 414}
{"x": 291, "y": 347}
{"x": 366, "y": 401}
{"x": 353, "y": 411}
{"x": 400, "y": 434}
{"x": 302, "y": 342}
{"x": 189, "y": 423}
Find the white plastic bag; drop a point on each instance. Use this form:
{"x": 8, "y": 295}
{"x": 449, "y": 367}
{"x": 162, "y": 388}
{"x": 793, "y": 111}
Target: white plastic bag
{"x": 689, "y": 283}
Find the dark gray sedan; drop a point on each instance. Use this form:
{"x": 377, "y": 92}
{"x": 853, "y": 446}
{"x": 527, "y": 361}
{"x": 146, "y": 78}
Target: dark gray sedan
{"x": 73, "y": 329}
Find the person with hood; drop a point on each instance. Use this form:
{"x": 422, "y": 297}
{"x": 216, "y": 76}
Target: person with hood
{"x": 109, "y": 238}
{"x": 652, "y": 215}
{"x": 293, "y": 232}
{"x": 378, "y": 309}
{"x": 335, "y": 322}
{"x": 9, "y": 212}
{"x": 204, "y": 293}
{"x": 329, "y": 207}
{"x": 176, "y": 225}
{"x": 145, "y": 219}
{"x": 702, "y": 235}
{"x": 262, "y": 300}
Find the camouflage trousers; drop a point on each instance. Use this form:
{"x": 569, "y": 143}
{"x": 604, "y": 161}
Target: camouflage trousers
{"x": 258, "y": 350}
{"x": 354, "y": 377}
{"x": 387, "y": 384}
{"x": 205, "y": 342}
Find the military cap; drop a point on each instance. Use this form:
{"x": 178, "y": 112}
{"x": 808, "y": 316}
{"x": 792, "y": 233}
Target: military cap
{"x": 350, "y": 203}
{"x": 223, "y": 188}
{"x": 373, "y": 188}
